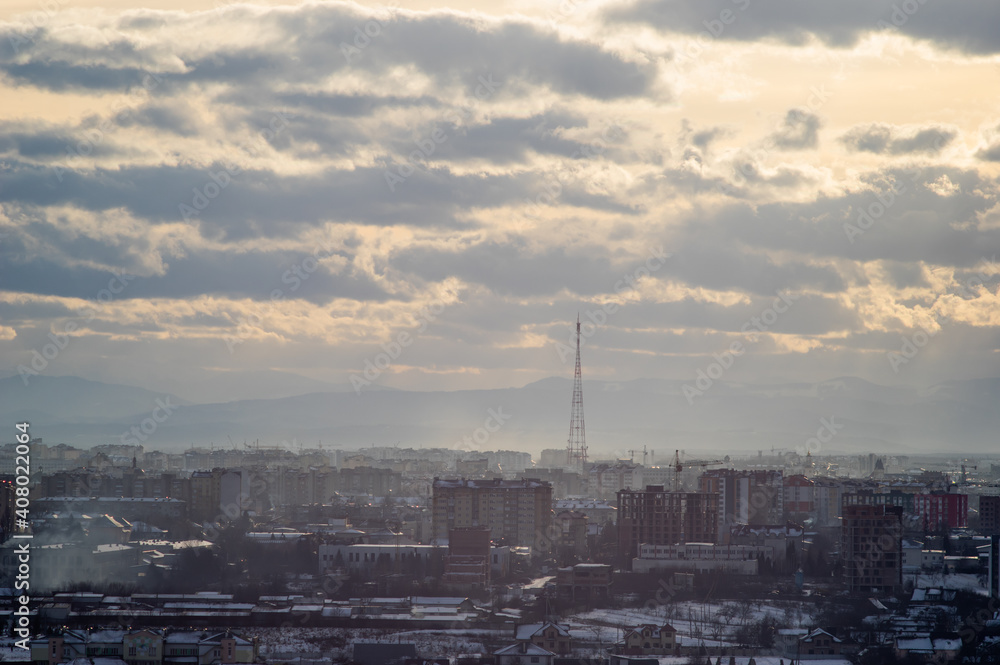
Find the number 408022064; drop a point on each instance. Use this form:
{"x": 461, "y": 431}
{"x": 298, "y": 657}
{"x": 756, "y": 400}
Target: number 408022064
{"x": 22, "y": 474}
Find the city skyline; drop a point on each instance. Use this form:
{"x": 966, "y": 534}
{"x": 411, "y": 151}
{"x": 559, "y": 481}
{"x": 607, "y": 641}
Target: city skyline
{"x": 194, "y": 192}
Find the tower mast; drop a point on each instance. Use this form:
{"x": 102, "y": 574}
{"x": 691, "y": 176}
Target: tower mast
{"x": 576, "y": 444}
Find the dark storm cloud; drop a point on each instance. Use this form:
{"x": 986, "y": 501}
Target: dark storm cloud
{"x": 887, "y": 139}
{"x": 160, "y": 116}
{"x": 915, "y": 223}
{"x": 250, "y": 274}
{"x": 306, "y": 46}
{"x": 967, "y": 25}
{"x": 258, "y": 202}
{"x": 37, "y": 141}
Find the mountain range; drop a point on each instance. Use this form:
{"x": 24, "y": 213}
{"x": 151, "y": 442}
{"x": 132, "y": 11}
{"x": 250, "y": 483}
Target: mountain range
{"x": 851, "y": 415}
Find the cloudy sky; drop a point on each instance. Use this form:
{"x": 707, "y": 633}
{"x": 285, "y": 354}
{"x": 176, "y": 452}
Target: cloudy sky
{"x": 195, "y": 188}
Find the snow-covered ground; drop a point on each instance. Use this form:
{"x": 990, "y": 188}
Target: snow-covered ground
{"x": 11, "y": 654}
{"x": 957, "y": 581}
{"x": 711, "y": 624}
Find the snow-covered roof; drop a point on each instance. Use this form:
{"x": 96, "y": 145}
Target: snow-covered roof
{"x": 819, "y": 631}
{"x": 523, "y": 649}
{"x": 529, "y": 630}
{"x": 433, "y": 600}
{"x": 915, "y": 644}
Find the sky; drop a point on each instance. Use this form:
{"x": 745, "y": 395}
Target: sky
{"x": 790, "y": 191}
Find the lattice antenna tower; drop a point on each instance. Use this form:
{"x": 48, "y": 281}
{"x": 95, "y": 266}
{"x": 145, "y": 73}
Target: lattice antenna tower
{"x": 576, "y": 444}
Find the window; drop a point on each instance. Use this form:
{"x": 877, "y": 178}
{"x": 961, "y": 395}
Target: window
{"x": 534, "y": 659}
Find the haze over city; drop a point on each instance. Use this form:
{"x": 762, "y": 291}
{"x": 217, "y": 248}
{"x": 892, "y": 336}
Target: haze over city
{"x": 563, "y": 332}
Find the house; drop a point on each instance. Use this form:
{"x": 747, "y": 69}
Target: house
{"x": 547, "y": 635}
{"x": 145, "y": 647}
{"x": 524, "y": 653}
{"x": 930, "y": 650}
{"x": 820, "y": 643}
{"x": 649, "y": 639}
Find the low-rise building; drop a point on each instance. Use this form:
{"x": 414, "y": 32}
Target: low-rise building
{"x": 524, "y": 652}
{"x": 546, "y": 635}
{"x": 587, "y": 582}
{"x": 649, "y": 639}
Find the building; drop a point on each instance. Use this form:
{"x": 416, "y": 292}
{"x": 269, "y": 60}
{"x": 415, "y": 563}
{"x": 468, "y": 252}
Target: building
{"x": 524, "y": 652}
{"x": 368, "y": 560}
{"x": 571, "y": 533}
{"x": 598, "y": 511}
{"x": 649, "y": 639}
{"x": 587, "y": 582}
{"x": 799, "y": 497}
{"x": 149, "y": 510}
{"x": 941, "y": 511}
{"x": 657, "y": 517}
{"x": 989, "y": 515}
{"x": 819, "y": 642}
{"x": 144, "y": 647}
{"x": 368, "y": 480}
{"x": 517, "y": 511}
{"x": 546, "y": 635}
{"x": 872, "y": 548}
{"x": 468, "y": 560}
{"x": 745, "y": 497}
{"x": 703, "y": 558}
{"x": 936, "y": 650}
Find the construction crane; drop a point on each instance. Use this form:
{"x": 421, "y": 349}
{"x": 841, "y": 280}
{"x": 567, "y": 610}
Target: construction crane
{"x": 679, "y": 466}
{"x": 631, "y": 454}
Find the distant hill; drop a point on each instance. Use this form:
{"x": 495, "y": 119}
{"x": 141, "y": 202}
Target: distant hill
{"x": 729, "y": 417}
{"x": 69, "y": 399}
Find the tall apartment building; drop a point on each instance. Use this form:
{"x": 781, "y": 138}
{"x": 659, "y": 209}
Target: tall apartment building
{"x": 745, "y": 497}
{"x": 872, "y": 547}
{"x": 989, "y": 515}
{"x": 654, "y": 516}
{"x": 517, "y": 511}
{"x": 799, "y": 495}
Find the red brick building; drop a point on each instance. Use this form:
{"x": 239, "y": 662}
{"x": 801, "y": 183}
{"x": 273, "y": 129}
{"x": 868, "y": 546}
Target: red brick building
{"x": 942, "y": 511}
{"x": 656, "y": 517}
